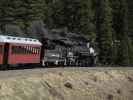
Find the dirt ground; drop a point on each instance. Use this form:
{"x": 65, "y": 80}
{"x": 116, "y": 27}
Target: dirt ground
{"x": 70, "y": 85}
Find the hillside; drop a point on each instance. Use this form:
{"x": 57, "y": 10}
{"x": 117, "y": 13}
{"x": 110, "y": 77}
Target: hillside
{"x": 69, "y": 85}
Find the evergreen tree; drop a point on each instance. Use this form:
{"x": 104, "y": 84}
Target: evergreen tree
{"x": 49, "y": 13}
{"x": 76, "y": 15}
{"x": 86, "y": 18}
{"x": 72, "y": 18}
{"x": 104, "y": 31}
{"x": 6, "y": 13}
{"x": 130, "y": 52}
{"x": 57, "y": 13}
{"x": 27, "y": 11}
{"x": 120, "y": 24}
{"x": 130, "y": 17}
{"x": 130, "y": 24}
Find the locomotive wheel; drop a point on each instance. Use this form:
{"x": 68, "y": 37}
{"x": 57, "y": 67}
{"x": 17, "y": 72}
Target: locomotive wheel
{"x": 77, "y": 63}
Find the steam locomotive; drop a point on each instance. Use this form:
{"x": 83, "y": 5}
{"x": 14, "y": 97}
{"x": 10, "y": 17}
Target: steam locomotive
{"x": 69, "y": 50}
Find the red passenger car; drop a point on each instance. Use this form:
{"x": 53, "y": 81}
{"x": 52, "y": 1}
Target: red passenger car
{"x": 17, "y": 50}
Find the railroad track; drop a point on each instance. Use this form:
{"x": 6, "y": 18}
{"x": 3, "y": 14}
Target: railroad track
{"x": 36, "y": 71}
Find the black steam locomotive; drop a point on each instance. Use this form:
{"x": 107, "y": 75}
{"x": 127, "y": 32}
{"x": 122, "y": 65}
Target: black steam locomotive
{"x": 68, "y": 49}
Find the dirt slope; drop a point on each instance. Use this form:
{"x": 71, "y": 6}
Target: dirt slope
{"x": 70, "y": 85}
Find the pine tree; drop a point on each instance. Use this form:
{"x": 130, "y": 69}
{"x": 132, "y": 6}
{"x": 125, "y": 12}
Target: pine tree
{"x": 120, "y": 24}
{"x": 104, "y": 31}
{"x": 58, "y": 13}
{"x": 27, "y": 11}
{"x": 130, "y": 17}
{"x": 86, "y": 15}
{"x": 49, "y": 13}
{"x": 76, "y": 15}
{"x": 6, "y": 14}
{"x": 130, "y": 27}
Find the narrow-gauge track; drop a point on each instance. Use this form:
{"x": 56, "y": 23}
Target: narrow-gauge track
{"x": 40, "y": 71}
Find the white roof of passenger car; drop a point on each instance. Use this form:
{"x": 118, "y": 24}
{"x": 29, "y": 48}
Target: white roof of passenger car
{"x": 20, "y": 40}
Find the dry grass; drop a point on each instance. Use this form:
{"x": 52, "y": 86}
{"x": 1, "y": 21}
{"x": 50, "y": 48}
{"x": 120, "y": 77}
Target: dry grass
{"x": 70, "y": 85}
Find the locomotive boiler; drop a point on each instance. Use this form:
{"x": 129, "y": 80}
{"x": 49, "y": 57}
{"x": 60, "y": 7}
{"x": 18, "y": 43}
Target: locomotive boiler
{"x": 68, "y": 49}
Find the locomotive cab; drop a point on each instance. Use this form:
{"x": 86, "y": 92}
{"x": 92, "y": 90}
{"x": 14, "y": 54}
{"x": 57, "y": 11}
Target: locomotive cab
{"x": 53, "y": 54}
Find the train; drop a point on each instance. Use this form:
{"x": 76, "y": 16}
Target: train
{"x": 47, "y": 52}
